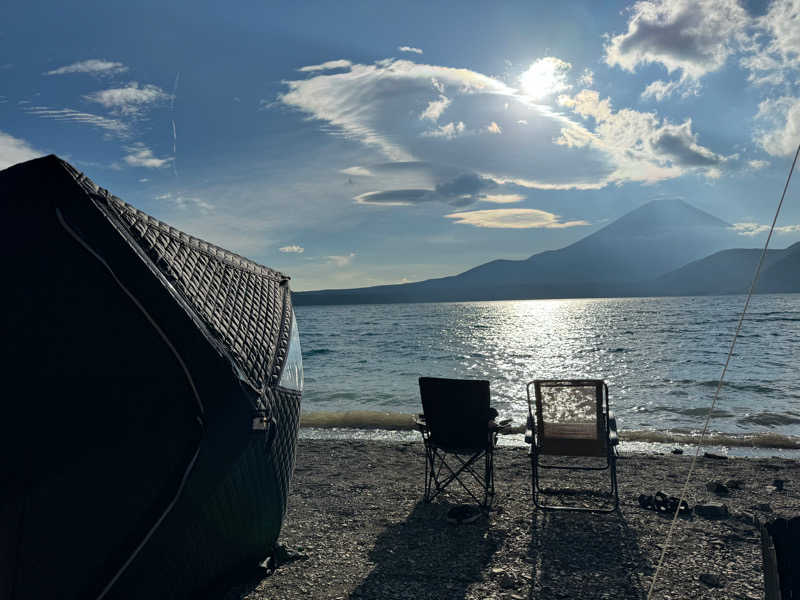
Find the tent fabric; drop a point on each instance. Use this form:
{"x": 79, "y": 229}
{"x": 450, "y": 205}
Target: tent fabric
{"x": 235, "y": 299}
{"x": 115, "y": 479}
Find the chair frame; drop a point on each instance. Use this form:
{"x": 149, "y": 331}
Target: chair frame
{"x": 607, "y": 436}
{"x": 439, "y": 474}
{"x": 468, "y": 459}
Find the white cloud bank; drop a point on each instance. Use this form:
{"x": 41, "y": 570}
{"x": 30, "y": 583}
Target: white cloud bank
{"x": 14, "y": 150}
{"x": 411, "y": 49}
{"x": 95, "y": 66}
{"x": 292, "y": 249}
{"x": 413, "y": 112}
{"x": 753, "y": 229}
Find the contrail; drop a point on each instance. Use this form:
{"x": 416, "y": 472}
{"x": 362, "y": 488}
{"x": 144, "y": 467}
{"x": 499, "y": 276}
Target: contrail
{"x": 174, "y": 129}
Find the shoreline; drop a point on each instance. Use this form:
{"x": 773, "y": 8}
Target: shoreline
{"x": 399, "y": 427}
{"x": 356, "y": 513}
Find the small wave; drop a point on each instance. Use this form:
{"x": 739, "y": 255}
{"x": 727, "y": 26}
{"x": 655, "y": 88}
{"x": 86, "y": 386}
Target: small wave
{"x": 696, "y": 411}
{"x": 358, "y": 419}
{"x": 754, "y": 440}
{"x": 390, "y": 421}
{"x": 741, "y": 387}
{"x": 316, "y": 352}
{"x": 769, "y": 419}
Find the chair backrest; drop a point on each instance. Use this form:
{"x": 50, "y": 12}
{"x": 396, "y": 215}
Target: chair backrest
{"x": 456, "y": 412}
{"x": 570, "y": 416}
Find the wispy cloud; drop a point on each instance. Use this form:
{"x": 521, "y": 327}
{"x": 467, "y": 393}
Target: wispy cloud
{"x": 183, "y": 201}
{"x": 779, "y": 125}
{"x": 447, "y": 131}
{"x": 775, "y": 50}
{"x": 409, "y": 49}
{"x": 341, "y": 260}
{"x": 111, "y": 126}
{"x": 502, "y": 198}
{"x": 293, "y": 249}
{"x": 326, "y": 66}
{"x": 356, "y": 170}
{"x": 95, "y": 66}
{"x": 14, "y": 150}
{"x": 140, "y": 155}
{"x": 494, "y": 128}
{"x": 512, "y": 218}
{"x": 753, "y": 229}
{"x": 130, "y": 100}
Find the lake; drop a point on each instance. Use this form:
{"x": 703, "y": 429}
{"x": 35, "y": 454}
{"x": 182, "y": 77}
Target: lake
{"x": 661, "y": 357}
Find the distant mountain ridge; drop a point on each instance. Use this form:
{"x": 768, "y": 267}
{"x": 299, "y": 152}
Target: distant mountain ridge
{"x": 665, "y": 247}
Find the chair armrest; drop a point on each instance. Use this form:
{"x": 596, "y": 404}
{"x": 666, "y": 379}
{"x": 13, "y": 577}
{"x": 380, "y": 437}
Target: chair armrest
{"x": 420, "y": 423}
{"x": 529, "y": 431}
{"x": 613, "y": 438}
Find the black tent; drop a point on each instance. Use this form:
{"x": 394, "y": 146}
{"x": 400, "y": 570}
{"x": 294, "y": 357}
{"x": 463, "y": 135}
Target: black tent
{"x": 151, "y": 389}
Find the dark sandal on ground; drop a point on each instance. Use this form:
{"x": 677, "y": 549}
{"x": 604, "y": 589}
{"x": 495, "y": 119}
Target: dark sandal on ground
{"x": 463, "y": 514}
{"x": 661, "y": 502}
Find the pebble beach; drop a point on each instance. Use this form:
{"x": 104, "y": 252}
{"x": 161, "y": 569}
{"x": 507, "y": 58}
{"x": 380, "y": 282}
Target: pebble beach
{"x": 357, "y": 527}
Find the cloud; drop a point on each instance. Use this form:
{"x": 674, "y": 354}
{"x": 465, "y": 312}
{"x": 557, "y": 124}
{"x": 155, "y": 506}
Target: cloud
{"x": 359, "y": 171}
{"x": 448, "y": 131}
{"x": 293, "y": 249}
{"x": 545, "y": 77}
{"x": 327, "y": 66}
{"x": 643, "y": 147}
{"x": 502, "y": 198}
{"x": 512, "y": 218}
{"x": 660, "y": 90}
{"x": 779, "y": 132}
{"x": 753, "y": 229}
{"x": 757, "y": 164}
{"x": 14, "y": 150}
{"x": 436, "y": 108}
{"x": 693, "y": 37}
{"x": 409, "y": 49}
{"x": 130, "y": 100}
{"x": 364, "y": 102}
{"x": 140, "y": 155}
{"x": 587, "y": 78}
{"x": 342, "y": 260}
{"x": 94, "y": 66}
{"x": 396, "y": 107}
{"x": 395, "y": 197}
{"x": 775, "y": 48}
{"x": 466, "y": 184}
{"x": 111, "y": 126}
{"x": 184, "y": 202}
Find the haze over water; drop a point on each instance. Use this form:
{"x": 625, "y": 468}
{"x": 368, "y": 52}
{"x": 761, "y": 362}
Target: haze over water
{"x": 662, "y": 357}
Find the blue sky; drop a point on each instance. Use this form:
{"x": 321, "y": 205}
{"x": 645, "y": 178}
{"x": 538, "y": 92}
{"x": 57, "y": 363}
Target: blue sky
{"x": 352, "y": 144}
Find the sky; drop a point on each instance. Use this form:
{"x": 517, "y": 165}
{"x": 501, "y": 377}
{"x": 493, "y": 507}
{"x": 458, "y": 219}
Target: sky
{"x": 350, "y": 144}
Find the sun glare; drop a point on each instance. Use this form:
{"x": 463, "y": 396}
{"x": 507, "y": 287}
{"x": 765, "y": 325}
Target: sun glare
{"x": 545, "y": 76}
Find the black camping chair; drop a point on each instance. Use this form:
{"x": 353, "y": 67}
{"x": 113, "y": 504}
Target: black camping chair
{"x": 571, "y": 418}
{"x": 458, "y": 424}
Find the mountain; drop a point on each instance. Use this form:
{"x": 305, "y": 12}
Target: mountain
{"x": 624, "y": 258}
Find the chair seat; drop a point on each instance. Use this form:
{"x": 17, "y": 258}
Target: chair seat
{"x": 571, "y": 431}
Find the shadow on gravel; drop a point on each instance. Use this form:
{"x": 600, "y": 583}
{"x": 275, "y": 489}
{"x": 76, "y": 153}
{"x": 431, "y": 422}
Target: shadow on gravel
{"x": 584, "y": 555}
{"x": 426, "y": 557}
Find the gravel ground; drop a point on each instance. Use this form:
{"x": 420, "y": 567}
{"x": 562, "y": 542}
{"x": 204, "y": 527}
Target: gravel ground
{"x": 357, "y": 518}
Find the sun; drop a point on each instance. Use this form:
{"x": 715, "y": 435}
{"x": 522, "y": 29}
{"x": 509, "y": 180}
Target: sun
{"x": 545, "y": 76}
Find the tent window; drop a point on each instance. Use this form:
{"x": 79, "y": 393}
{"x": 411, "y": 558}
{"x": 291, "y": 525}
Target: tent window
{"x": 292, "y": 375}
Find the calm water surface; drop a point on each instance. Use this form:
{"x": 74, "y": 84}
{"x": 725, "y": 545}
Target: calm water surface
{"x": 661, "y": 357}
